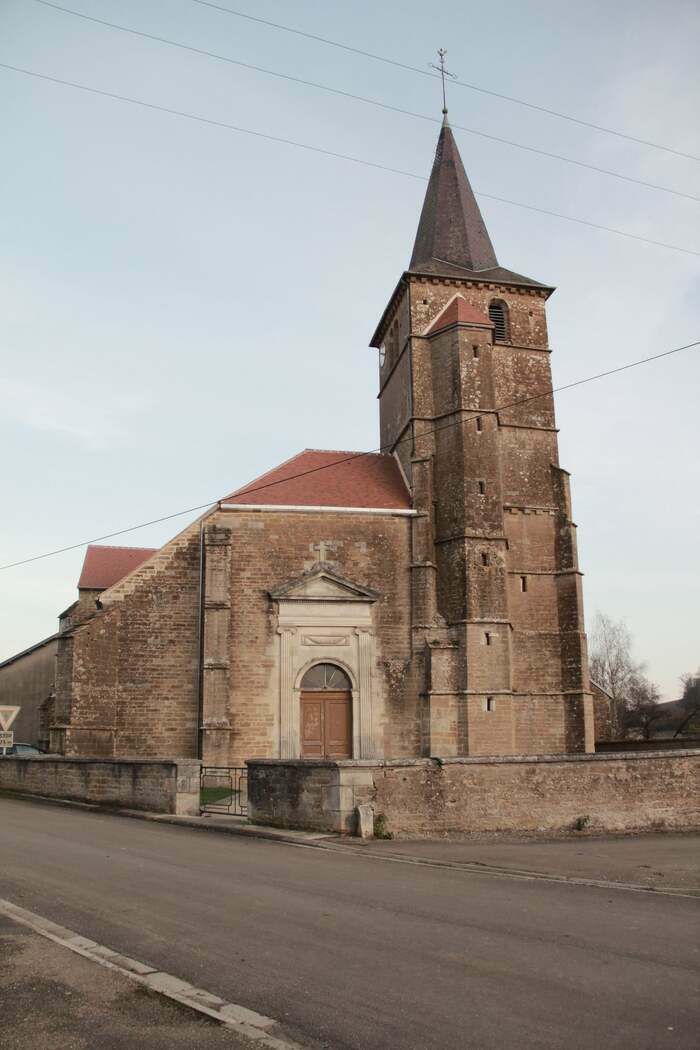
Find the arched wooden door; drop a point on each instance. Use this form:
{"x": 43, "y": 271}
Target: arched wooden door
{"x": 326, "y": 713}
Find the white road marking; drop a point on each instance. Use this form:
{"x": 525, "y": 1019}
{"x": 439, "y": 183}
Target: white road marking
{"x": 240, "y": 1019}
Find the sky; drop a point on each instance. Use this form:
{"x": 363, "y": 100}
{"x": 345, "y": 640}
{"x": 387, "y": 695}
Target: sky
{"x": 183, "y": 306}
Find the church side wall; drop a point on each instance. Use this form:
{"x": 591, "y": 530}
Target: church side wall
{"x": 272, "y": 547}
{"x": 133, "y": 687}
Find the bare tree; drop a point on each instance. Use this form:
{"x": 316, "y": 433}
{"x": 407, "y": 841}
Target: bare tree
{"x": 643, "y": 706}
{"x": 611, "y": 664}
{"x": 689, "y": 703}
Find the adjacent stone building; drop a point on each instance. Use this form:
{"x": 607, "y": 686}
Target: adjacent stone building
{"x": 27, "y": 682}
{"x": 425, "y": 601}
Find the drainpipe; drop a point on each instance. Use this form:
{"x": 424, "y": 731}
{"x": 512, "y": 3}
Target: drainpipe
{"x": 200, "y": 645}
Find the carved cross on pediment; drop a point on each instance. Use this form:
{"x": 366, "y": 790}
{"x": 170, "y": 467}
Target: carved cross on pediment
{"x": 324, "y": 550}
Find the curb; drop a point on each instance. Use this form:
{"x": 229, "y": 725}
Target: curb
{"x": 250, "y": 831}
{"x": 240, "y": 1019}
{"x": 257, "y": 831}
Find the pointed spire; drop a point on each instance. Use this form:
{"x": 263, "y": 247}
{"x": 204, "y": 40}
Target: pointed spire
{"x": 451, "y": 230}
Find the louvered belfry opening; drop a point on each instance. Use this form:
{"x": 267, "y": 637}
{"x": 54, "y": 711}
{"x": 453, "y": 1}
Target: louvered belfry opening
{"x": 498, "y": 313}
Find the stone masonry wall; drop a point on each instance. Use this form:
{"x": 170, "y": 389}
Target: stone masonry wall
{"x": 270, "y": 548}
{"x": 127, "y": 677}
{"x": 498, "y": 507}
{"x": 159, "y": 787}
{"x": 128, "y": 684}
{"x": 424, "y": 797}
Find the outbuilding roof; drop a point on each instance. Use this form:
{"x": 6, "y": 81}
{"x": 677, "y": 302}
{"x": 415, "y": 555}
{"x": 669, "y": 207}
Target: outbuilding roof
{"x": 325, "y": 478}
{"x": 104, "y": 566}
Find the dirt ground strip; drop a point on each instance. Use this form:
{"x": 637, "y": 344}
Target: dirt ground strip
{"x": 50, "y": 997}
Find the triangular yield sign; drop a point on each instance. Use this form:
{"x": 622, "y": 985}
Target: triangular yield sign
{"x": 7, "y": 716}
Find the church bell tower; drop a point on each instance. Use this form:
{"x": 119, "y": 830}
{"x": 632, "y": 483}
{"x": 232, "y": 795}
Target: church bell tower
{"x": 465, "y": 405}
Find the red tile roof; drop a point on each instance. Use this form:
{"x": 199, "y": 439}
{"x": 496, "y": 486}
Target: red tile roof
{"x": 321, "y": 478}
{"x": 458, "y": 311}
{"x": 104, "y": 566}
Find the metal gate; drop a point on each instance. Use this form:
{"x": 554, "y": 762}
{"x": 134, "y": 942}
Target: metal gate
{"x": 224, "y": 789}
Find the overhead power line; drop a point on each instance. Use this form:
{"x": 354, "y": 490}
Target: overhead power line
{"x": 358, "y": 455}
{"x": 457, "y": 82}
{"x": 367, "y": 101}
{"x": 332, "y": 153}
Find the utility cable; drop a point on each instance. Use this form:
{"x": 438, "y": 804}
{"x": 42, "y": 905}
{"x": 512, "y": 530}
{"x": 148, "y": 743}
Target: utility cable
{"x": 333, "y": 153}
{"x": 358, "y": 455}
{"x": 367, "y": 101}
{"x": 457, "y": 82}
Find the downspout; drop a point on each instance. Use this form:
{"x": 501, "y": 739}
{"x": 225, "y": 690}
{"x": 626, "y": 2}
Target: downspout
{"x": 200, "y": 646}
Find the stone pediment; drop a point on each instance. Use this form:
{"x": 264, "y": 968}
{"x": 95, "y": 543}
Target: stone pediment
{"x": 323, "y": 585}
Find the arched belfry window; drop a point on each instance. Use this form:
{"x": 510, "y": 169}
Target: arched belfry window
{"x": 498, "y": 313}
{"x": 325, "y": 676}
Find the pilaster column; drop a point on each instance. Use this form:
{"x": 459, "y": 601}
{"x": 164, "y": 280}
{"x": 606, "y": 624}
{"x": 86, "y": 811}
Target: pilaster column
{"x": 289, "y": 713}
{"x": 216, "y": 727}
{"x": 366, "y": 730}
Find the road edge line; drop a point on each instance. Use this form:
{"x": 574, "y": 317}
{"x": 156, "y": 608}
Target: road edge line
{"x": 245, "y": 1022}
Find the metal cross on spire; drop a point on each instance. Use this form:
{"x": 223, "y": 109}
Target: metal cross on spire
{"x": 443, "y": 73}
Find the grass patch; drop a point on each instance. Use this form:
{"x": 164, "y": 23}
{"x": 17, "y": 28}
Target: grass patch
{"x": 213, "y": 795}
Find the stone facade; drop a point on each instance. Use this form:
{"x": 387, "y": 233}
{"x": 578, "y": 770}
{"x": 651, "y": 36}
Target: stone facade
{"x": 134, "y": 682}
{"x": 495, "y": 567}
{"x": 126, "y": 674}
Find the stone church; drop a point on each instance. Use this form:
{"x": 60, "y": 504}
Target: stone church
{"x": 425, "y": 601}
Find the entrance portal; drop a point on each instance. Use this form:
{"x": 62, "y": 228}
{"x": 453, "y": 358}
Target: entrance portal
{"x": 326, "y": 713}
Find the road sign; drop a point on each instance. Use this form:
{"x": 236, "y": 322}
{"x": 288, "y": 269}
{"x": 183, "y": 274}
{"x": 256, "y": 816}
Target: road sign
{"x": 7, "y": 739}
{"x": 7, "y": 716}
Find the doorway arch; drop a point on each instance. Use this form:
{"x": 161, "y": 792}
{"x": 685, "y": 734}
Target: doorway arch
{"x": 326, "y": 712}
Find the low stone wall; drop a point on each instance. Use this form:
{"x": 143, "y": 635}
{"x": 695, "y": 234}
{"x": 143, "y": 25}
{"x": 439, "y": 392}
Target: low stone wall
{"x": 158, "y": 786}
{"x": 664, "y": 744}
{"x": 433, "y": 797}
{"x": 314, "y": 794}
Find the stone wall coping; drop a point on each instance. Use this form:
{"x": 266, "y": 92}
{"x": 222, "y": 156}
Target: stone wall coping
{"x": 480, "y": 760}
{"x": 121, "y": 761}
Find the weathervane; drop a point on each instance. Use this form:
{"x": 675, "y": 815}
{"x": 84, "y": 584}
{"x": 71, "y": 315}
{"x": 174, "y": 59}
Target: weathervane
{"x": 443, "y": 73}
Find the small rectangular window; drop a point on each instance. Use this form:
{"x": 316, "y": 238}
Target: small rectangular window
{"x": 484, "y": 558}
{"x": 475, "y": 351}
{"x": 478, "y": 423}
{"x": 490, "y": 704}
{"x": 482, "y": 488}
{"x": 523, "y": 583}
{"x": 487, "y": 637}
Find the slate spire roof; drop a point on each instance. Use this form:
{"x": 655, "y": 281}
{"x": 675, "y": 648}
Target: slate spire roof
{"x": 451, "y": 229}
{"x": 452, "y": 239}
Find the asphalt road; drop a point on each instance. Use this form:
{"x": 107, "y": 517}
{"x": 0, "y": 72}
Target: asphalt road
{"x": 354, "y": 951}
